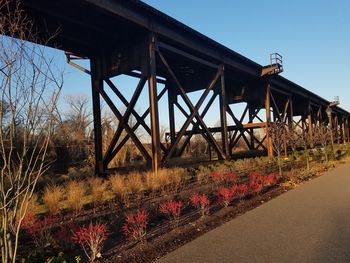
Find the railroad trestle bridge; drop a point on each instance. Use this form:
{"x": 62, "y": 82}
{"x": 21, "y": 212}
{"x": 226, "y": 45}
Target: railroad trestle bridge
{"x": 170, "y": 59}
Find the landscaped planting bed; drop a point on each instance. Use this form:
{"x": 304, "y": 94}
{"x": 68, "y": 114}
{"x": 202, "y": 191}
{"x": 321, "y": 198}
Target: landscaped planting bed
{"x": 140, "y": 217}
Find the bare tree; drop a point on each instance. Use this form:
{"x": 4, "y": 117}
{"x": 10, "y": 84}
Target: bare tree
{"x": 322, "y": 134}
{"x": 78, "y": 118}
{"x": 278, "y": 136}
{"x": 28, "y": 92}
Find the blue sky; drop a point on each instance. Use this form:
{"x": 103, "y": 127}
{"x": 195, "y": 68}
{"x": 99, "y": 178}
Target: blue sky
{"x": 313, "y": 37}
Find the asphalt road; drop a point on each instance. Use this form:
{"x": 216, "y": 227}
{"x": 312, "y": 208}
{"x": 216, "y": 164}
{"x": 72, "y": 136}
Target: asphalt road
{"x": 310, "y": 223}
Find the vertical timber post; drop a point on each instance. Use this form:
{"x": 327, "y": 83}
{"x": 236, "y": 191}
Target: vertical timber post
{"x": 268, "y": 121}
{"x": 223, "y": 109}
{"x": 97, "y": 85}
{"x": 153, "y": 103}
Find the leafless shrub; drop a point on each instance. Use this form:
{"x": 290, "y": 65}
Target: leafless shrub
{"x": 29, "y": 88}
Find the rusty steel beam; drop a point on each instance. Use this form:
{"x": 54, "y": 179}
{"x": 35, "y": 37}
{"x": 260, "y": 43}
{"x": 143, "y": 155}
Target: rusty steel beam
{"x": 97, "y": 85}
{"x": 129, "y": 110}
{"x": 143, "y": 116}
{"x": 223, "y": 115}
{"x": 194, "y": 110}
{"x": 269, "y": 145}
{"x": 153, "y": 104}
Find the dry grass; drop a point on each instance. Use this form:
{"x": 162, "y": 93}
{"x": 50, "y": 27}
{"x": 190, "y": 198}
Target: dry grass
{"x": 151, "y": 181}
{"x": 118, "y": 185}
{"x": 53, "y": 195}
{"x": 98, "y": 188}
{"x": 176, "y": 175}
{"x": 75, "y": 192}
{"x": 134, "y": 182}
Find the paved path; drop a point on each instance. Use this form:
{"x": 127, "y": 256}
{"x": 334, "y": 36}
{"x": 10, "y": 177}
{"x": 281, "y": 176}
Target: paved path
{"x": 310, "y": 223}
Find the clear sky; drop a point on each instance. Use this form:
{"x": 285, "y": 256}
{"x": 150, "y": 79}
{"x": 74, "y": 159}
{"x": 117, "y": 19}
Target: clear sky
{"x": 313, "y": 36}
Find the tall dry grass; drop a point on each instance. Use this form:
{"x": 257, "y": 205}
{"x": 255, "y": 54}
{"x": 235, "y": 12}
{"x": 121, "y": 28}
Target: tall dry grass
{"x": 151, "y": 181}
{"x": 134, "y": 182}
{"x": 76, "y": 191}
{"x": 99, "y": 190}
{"x": 176, "y": 177}
{"x": 118, "y": 185}
{"x": 52, "y": 197}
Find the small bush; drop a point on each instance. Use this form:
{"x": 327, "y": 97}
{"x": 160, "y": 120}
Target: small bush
{"x": 225, "y": 196}
{"x": 200, "y": 202}
{"x": 91, "y": 239}
{"x": 171, "y": 209}
{"x": 52, "y": 197}
{"x": 135, "y": 225}
{"x": 75, "y": 195}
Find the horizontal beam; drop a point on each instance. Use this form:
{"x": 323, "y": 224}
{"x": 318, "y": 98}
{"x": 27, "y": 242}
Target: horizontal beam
{"x": 229, "y": 128}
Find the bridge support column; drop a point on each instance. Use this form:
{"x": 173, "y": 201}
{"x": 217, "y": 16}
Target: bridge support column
{"x": 251, "y": 131}
{"x": 310, "y": 127}
{"x": 97, "y": 86}
{"x": 153, "y": 104}
{"x": 223, "y": 117}
{"x": 171, "y": 105}
{"x": 269, "y": 145}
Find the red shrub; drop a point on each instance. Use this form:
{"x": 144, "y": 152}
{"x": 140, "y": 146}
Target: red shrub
{"x": 255, "y": 187}
{"x": 135, "y": 226}
{"x": 200, "y": 202}
{"x": 216, "y": 177}
{"x": 64, "y": 234}
{"x": 39, "y": 230}
{"x": 171, "y": 209}
{"x": 270, "y": 179}
{"x": 231, "y": 177}
{"x": 225, "y": 196}
{"x": 256, "y": 183}
{"x": 91, "y": 239}
{"x": 253, "y": 176}
{"x": 242, "y": 190}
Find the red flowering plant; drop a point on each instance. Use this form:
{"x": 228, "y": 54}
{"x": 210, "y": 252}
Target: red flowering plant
{"x": 135, "y": 225}
{"x": 217, "y": 177}
{"x": 91, "y": 238}
{"x": 171, "y": 209}
{"x": 230, "y": 178}
{"x": 200, "y": 202}
{"x": 225, "y": 196}
{"x": 256, "y": 183}
{"x": 242, "y": 190}
{"x": 40, "y": 231}
{"x": 270, "y": 179}
{"x": 63, "y": 235}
